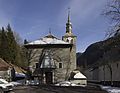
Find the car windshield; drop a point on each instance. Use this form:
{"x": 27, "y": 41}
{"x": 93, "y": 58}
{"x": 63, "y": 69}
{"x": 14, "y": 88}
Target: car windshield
{"x": 1, "y": 82}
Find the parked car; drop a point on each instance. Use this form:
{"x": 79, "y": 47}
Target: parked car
{"x": 65, "y": 83}
{"x": 15, "y": 83}
{"x": 68, "y": 83}
{"x": 32, "y": 82}
{"x": 5, "y": 86}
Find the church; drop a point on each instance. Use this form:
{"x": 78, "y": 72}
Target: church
{"x": 52, "y": 59}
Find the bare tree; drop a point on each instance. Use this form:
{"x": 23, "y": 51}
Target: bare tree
{"x": 29, "y": 55}
{"x": 18, "y": 38}
{"x": 111, "y": 72}
{"x": 112, "y": 12}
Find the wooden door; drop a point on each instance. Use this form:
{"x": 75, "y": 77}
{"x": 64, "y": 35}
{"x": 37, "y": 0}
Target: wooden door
{"x": 49, "y": 77}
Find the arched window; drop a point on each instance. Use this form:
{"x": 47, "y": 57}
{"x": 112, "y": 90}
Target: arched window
{"x": 67, "y": 40}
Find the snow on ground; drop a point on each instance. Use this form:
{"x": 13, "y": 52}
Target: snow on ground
{"x": 110, "y": 89}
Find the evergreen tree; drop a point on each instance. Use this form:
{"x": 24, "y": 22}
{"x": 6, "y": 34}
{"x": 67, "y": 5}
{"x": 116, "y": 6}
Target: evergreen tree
{"x": 24, "y": 62}
{"x": 4, "y": 45}
{"x": 0, "y": 36}
{"x": 11, "y": 44}
{"x": 10, "y": 50}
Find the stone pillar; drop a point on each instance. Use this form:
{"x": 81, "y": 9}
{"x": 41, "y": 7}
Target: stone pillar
{"x": 53, "y": 77}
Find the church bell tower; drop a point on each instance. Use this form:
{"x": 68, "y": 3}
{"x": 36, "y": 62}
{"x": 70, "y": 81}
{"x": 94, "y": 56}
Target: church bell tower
{"x": 69, "y": 36}
{"x": 71, "y": 39}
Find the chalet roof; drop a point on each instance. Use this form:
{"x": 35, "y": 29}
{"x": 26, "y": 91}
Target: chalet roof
{"x": 78, "y": 75}
{"x": 3, "y": 65}
{"x": 49, "y": 39}
{"x": 17, "y": 68}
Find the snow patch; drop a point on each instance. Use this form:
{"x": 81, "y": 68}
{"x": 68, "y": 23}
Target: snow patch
{"x": 110, "y": 89}
{"x": 48, "y": 40}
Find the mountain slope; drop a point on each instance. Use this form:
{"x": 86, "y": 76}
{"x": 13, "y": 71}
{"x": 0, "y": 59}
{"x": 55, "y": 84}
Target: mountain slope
{"x": 108, "y": 49}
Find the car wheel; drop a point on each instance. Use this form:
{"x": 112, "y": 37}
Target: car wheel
{"x": 1, "y": 91}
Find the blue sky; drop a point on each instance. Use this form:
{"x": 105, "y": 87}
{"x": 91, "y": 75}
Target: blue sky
{"x": 33, "y": 18}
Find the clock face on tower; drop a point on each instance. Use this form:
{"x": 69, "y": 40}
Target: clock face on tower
{"x": 70, "y": 39}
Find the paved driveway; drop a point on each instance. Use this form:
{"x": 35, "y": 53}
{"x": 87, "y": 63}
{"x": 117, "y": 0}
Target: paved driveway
{"x": 51, "y": 89}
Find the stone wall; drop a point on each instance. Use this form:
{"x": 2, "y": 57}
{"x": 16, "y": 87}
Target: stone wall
{"x": 66, "y": 56}
{"x": 102, "y": 73}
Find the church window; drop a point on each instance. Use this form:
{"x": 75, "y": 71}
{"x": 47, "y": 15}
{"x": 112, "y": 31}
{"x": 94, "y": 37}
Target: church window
{"x": 67, "y": 40}
{"x": 60, "y": 65}
{"x": 37, "y": 65}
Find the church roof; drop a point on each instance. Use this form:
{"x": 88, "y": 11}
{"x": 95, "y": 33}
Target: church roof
{"x": 49, "y": 39}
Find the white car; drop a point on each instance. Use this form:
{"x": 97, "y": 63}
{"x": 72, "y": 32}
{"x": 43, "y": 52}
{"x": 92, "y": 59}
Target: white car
{"x": 5, "y": 86}
{"x": 32, "y": 82}
{"x": 65, "y": 83}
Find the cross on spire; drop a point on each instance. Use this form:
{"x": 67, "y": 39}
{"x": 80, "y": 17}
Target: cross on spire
{"x": 68, "y": 14}
{"x": 50, "y": 31}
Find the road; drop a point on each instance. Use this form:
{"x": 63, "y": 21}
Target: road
{"x": 53, "y": 89}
